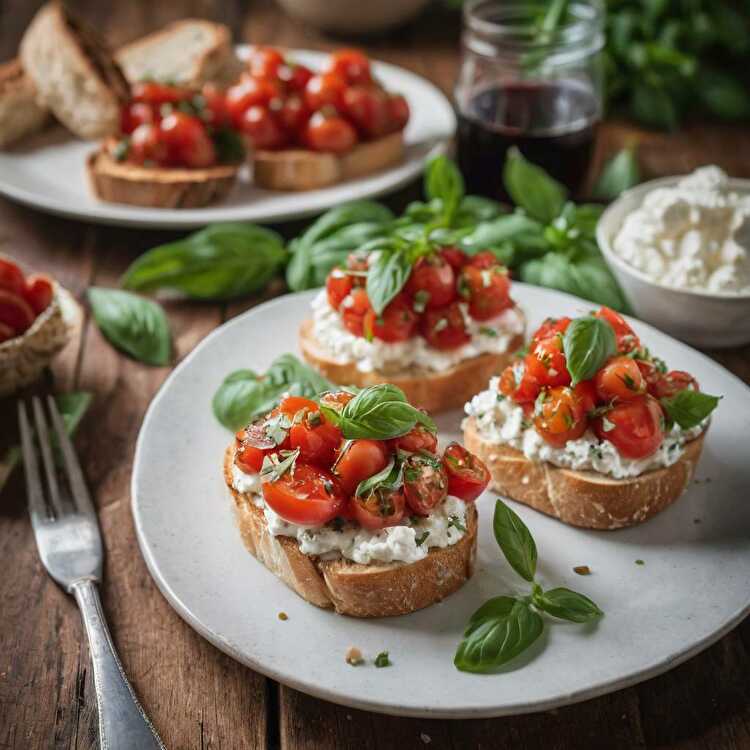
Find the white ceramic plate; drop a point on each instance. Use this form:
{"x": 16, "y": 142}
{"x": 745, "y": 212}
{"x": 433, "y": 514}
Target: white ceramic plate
{"x": 47, "y": 171}
{"x": 692, "y": 588}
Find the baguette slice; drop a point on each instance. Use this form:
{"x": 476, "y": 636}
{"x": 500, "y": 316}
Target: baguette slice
{"x": 583, "y": 498}
{"x": 375, "y": 590}
{"x": 157, "y": 187}
{"x": 74, "y": 72}
{"x": 302, "y": 169}
{"x": 188, "y": 53}
{"x": 433, "y": 391}
{"x": 20, "y": 114}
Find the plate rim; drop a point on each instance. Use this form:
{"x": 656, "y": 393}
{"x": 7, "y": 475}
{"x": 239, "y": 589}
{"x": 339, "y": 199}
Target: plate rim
{"x": 653, "y": 669}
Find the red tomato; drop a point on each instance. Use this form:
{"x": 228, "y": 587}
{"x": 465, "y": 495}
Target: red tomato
{"x": 425, "y": 482}
{"x": 626, "y": 338}
{"x": 332, "y": 134}
{"x": 316, "y": 438}
{"x": 380, "y": 508}
{"x": 518, "y": 384}
{"x": 487, "y": 290}
{"x": 290, "y": 405}
{"x": 293, "y": 115}
{"x": 418, "y": 439}
{"x": 294, "y": 76}
{"x": 260, "y": 126}
{"x": 338, "y": 286}
{"x": 550, "y": 327}
{"x": 135, "y": 114}
{"x": 360, "y": 460}
{"x": 670, "y": 383}
{"x": 455, "y": 257}
{"x": 157, "y": 94}
{"x": 621, "y": 379}
{"x": 445, "y": 327}
{"x": 353, "y": 315}
{"x": 432, "y": 282}
{"x": 147, "y": 144}
{"x": 546, "y": 362}
{"x": 484, "y": 259}
{"x": 188, "y": 142}
{"x": 249, "y": 458}
{"x": 15, "y": 311}
{"x": 336, "y": 400}
{"x": 467, "y": 475}
{"x": 559, "y": 416}
{"x": 249, "y": 92}
{"x": 255, "y": 434}
{"x": 11, "y": 276}
{"x": 6, "y": 333}
{"x": 367, "y": 107}
{"x": 397, "y": 322}
{"x": 308, "y": 495}
{"x": 325, "y": 90}
{"x": 634, "y": 427}
{"x": 398, "y": 111}
{"x": 265, "y": 62}
{"x": 586, "y": 392}
{"x": 38, "y": 292}
{"x": 215, "y": 110}
{"x": 351, "y": 65}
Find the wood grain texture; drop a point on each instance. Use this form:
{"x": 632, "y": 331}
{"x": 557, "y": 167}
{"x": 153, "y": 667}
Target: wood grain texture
{"x": 197, "y": 697}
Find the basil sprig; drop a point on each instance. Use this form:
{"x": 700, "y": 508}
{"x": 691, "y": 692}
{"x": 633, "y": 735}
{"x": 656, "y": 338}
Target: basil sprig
{"x": 389, "y": 479}
{"x": 379, "y": 412}
{"x": 588, "y": 343}
{"x": 688, "y": 408}
{"x": 505, "y": 626}
{"x": 619, "y": 174}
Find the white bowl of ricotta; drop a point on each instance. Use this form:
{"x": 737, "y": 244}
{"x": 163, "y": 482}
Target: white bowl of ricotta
{"x": 680, "y": 248}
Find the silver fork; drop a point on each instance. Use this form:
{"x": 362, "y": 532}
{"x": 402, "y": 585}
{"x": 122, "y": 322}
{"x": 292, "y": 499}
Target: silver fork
{"x": 70, "y": 545}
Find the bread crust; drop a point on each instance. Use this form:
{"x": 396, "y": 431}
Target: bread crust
{"x": 74, "y": 73}
{"x": 303, "y": 169}
{"x": 583, "y": 498}
{"x": 433, "y": 391}
{"x": 20, "y": 114}
{"x": 157, "y": 187}
{"x": 374, "y": 590}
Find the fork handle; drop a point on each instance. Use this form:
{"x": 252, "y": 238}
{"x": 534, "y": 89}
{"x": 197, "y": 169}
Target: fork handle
{"x": 123, "y": 724}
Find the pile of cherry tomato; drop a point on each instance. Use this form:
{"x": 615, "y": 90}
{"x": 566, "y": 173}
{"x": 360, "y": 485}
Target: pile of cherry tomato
{"x": 429, "y": 304}
{"x": 620, "y": 403}
{"x": 22, "y": 299}
{"x": 322, "y": 486}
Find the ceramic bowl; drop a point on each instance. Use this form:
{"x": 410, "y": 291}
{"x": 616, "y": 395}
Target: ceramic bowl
{"x": 700, "y": 318}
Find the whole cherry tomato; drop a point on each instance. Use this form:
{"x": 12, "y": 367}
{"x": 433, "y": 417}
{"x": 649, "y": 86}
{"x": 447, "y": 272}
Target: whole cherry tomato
{"x": 265, "y": 62}
{"x": 353, "y": 314}
{"x": 148, "y": 144}
{"x": 293, "y": 116}
{"x": 455, "y": 257}
{"x": 559, "y": 415}
{"x": 425, "y": 482}
{"x": 38, "y": 292}
{"x": 634, "y": 427}
{"x": 135, "y": 114}
{"x": 398, "y": 111}
{"x": 351, "y": 65}
{"x": 249, "y": 92}
{"x": 487, "y": 290}
{"x": 518, "y": 384}
{"x": 187, "y": 140}
{"x": 326, "y": 89}
{"x": 262, "y": 128}
{"x": 546, "y": 362}
{"x": 432, "y": 282}
{"x": 338, "y": 285}
{"x": 620, "y": 378}
{"x": 156, "y": 94}
{"x": 329, "y": 133}
{"x": 380, "y": 508}
{"x": 445, "y": 327}
{"x": 624, "y": 334}
{"x": 215, "y": 109}
{"x": 418, "y": 439}
{"x": 15, "y": 312}
{"x": 396, "y": 323}
{"x": 294, "y": 76}
{"x": 360, "y": 459}
{"x": 367, "y": 107}
{"x": 11, "y": 276}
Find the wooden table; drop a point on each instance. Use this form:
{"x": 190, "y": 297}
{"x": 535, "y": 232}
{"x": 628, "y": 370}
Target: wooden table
{"x": 197, "y": 697}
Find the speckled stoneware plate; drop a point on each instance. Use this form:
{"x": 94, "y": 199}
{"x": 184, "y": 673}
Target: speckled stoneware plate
{"x": 47, "y": 171}
{"x": 691, "y": 589}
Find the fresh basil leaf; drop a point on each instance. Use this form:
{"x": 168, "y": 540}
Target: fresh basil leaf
{"x": 619, "y": 174}
{"x": 390, "y": 478}
{"x": 516, "y": 228}
{"x": 689, "y": 408}
{"x": 588, "y": 343}
{"x": 532, "y": 188}
{"x": 498, "y": 631}
{"x": 595, "y": 281}
{"x": 514, "y": 540}
{"x": 568, "y": 605}
{"x": 286, "y": 371}
{"x": 133, "y": 324}
{"x": 444, "y": 182}
{"x": 386, "y": 277}
{"x": 274, "y": 467}
{"x": 476, "y": 208}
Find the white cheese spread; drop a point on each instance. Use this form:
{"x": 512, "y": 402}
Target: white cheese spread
{"x": 344, "y": 347}
{"x": 693, "y": 235}
{"x": 499, "y": 420}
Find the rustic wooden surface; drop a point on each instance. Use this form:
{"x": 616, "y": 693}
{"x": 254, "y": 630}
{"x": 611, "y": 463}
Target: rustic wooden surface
{"x": 197, "y": 697}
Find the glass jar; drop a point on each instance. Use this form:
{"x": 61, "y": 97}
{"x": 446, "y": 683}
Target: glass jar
{"x": 521, "y": 85}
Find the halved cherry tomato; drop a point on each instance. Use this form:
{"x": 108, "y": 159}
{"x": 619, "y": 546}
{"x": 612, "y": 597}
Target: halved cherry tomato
{"x": 626, "y": 338}
{"x": 187, "y": 139}
{"x": 247, "y": 93}
{"x": 586, "y": 391}
{"x": 418, "y": 439}
{"x": 261, "y": 127}
{"x": 670, "y": 383}
{"x": 635, "y": 427}
{"x": 381, "y": 508}
{"x": 329, "y": 133}
{"x": 361, "y": 459}
{"x": 367, "y": 107}
{"x": 255, "y": 435}
{"x": 398, "y": 110}
{"x": 135, "y": 114}
{"x": 445, "y": 327}
{"x": 546, "y": 362}
{"x": 455, "y": 257}
{"x": 215, "y": 110}
{"x": 338, "y": 286}
{"x": 432, "y": 282}
{"x": 294, "y": 76}
{"x": 306, "y": 495}
{"x": 316, "y": 438}
{"x": 265, "y": 62}
{"x": 518, "y": 384}
{"x": 324, "y": 90}
{"x": 487, "y": 290}
{"x": 6, "y": 333}
{"x": 336, "y": 400}
{"x": 550, "y": 327}
{"x": 38, "y": 292}
{"x": 621, "y": 379}
{"x": 351, "y": 65}
{"x": 11, "y": 276}
{"x": 397, "y": 322}
{"x": 15, "y": 311}
{"x": 147, "y": 144}
{"x": 156, "y": 94}
{"x": 353, "y": 310}
{"x": 559, "y": 415}
{"x": 468, "y": 477}
{"x": 249, "y": 458}
{"x": 425, "y": 482}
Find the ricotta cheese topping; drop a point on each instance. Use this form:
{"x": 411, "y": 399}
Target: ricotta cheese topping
{"x": 407, "y": 543}
{"x": 693, "y": 235}
{"x": 499, "y": 420}
{"x": 344, "y": 347}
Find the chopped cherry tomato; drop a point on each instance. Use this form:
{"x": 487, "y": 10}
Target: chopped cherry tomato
{"x": 361, "y": 459}
{"x": 425, "y": 482}
{"x": 484, "y": 259}
{"x": 249, "y": 92}
{"x": 397, "y": 322}
{"x": 455, "y": 257}
{"x": 15, "y": 311}
{"x": 290, "y": 405}
{"x": 316, "y": 438}
{"x": 634, "y": 427}
{"x": 11, "y": 276}
{"x": 546, "y": 362}
{"x": 382, "y": 507}
{"x": 432, "y": 282}
{"x": 353, "y": 310}
{"x": 157, "y": 94}
{"x": 147, "y": 144}
{"x": 338, "y": 286}
{"x": 467, "y": 475}
{"x": 333, "y": 134}
{"x": 265, "y": 62}
{"x": 215, "y": 110}
{"x": 351, "y": 65}
{"x": 293, "y": 115}
{"x": 518, "y": 384}
{"x": 670, "y": 383}
{"x": 6, "y": 333}
{"x": 550, "y": 327}
{"x": 188, "y": 142}
{"x": 621, "y": 379}
{"x": 255, "y": 434}
{"x": 586, "y": 391}
{"x": 487, "y": 290}
{"x": 367, "y": 107}
{"x": 249, "y": 458}
{"x": 325, "y": 90}
{"x": 445, "y": 327}
{"x": 260, "y": 126}
{"x": 418, "y": 439}
{"x": 135, "y": 114}
{"x": 38, "y": 292}
{"x": 559, "y": 416}
{"x": 626, "y": 338}
{"x": 398, "y": 110}
{"x": 336, "y": 400}
{"x": 294, "y": 76}
{"x": 306, "y": 495}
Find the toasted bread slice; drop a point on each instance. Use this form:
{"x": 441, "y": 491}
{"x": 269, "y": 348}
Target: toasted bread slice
{"x": 20, "y": 113}
{"x": 74, "y": 73}
{"x": 583, "y": 498}
{"x": 375, "y": 590}
{"x": 187, "y": 53}
{"x": 157, "y": 187}
{"x": 302, "y": 169}
{"x": 433, "y": 391}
